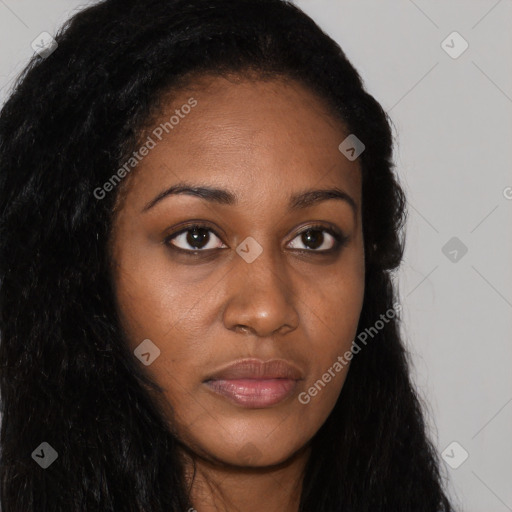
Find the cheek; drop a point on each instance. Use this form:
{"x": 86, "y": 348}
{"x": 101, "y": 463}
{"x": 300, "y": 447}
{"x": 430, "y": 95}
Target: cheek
{"x": 157, "y": 301}
{"x": 166, "y": 314}
{"x": 155, "y": 298}
{"x": 334, "y": 323}
{"x": 331, "y": 317}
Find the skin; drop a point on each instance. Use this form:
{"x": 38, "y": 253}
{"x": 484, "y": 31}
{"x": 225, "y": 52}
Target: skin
{"x": 263, "y": 141}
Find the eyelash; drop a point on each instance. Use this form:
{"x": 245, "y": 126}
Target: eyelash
{"x": 339, "y": 239}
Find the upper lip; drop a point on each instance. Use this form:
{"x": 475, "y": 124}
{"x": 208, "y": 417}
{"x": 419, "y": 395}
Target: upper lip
{"x": 258, "y": 369}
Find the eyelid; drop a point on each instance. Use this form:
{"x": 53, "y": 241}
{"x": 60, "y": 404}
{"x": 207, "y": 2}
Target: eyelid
{"x": 339, "y": 237}
{"x": 189, "y": 227}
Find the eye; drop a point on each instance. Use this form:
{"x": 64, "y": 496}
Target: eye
{"x": 195, "y": 238}
{"x": 314, "y": 240}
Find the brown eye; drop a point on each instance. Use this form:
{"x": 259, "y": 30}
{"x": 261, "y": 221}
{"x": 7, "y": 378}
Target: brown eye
{"x": 317, "y": 239}
{"x": 195, "y": 238}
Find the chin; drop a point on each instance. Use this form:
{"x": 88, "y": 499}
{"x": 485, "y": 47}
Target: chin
{"x": 256, "y": 450}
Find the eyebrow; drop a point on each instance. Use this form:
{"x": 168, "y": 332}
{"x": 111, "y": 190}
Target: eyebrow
{"x": 220, "y": 196}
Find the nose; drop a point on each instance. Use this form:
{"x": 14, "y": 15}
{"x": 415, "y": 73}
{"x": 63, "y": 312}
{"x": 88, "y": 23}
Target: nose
{"x": 261, "y": 297}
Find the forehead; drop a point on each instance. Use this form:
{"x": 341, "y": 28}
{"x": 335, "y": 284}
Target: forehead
{"x": 252, "y": 136}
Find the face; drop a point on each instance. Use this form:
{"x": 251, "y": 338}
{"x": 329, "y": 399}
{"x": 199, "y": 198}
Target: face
{"x": 247, "y": 282}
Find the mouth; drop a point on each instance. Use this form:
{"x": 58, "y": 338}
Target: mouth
{"x": 252, "y": 383}
{"x": 254, "y": 393}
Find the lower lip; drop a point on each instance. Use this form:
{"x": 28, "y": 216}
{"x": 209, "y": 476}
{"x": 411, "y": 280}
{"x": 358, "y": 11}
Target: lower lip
{"x": 254, "y": 393}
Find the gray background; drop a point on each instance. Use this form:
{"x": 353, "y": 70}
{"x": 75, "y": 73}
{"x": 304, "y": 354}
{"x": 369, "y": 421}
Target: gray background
{"x": 453, "y": 129}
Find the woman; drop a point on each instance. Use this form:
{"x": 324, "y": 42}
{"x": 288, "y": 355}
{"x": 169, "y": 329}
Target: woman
{"x": 199, "y": 224}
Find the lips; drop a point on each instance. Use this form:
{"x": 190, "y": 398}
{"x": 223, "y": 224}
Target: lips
{"x": 253, "y": 383}
{"x": 257, "y": 369}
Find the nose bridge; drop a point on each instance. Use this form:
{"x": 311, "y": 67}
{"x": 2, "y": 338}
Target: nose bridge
{"x": 263, "y": 267}
{"x": 260, "y": 295}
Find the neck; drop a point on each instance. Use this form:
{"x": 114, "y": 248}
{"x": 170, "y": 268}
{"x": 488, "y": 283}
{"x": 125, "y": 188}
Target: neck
{"x": 218, "y": 487}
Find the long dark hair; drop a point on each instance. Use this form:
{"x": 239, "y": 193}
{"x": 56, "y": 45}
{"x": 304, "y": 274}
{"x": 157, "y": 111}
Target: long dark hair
{"x": 66, "y": 375}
